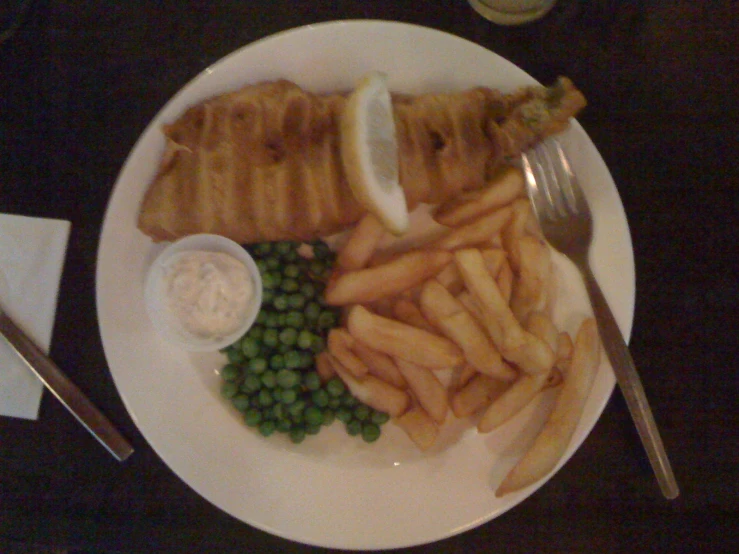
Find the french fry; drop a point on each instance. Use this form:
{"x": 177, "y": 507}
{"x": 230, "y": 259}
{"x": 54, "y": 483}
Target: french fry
{"x": 370, "y": 284}
{"x": 552, "y": 441}
{"x": 419, "y": 426}
{"x": 540, "y": 325}
{"x": 406, "y": 311}
{"x": 494, "y": 259}
{"x": 465, "y": 298}
{"x": 516, "y": 227}
{"x": 512, "y": 401}
{"x": 564, "y": 351}
{"x": 450, "y": 278}
{"x": 505, "y": 187}
{"x": 373, "y": 391}
{"x": 476, "y": 232}
{"x": 461, "y": 376}
{"x": 340, "y": 344}
{"x": 380, "y": 365}
{"x": 504, "y": 280}
{"x": 477, "y": 394}
{"x": 456, "y": 323}
{"x": 361, "y": 244}
{"x": 427, "y": 389}
{"x": 516, "y": 344}
{"x": 324, "y": 367}
{"x": 530, "y": 285}
{"x": 555, "y": 378}
{"x": 403, "y": 341}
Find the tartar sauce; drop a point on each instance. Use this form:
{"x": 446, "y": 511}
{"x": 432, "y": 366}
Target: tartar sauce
{"x": 207, "y": 293}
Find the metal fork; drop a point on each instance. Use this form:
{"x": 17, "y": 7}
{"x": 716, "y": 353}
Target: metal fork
{"x": 566, "y": 221}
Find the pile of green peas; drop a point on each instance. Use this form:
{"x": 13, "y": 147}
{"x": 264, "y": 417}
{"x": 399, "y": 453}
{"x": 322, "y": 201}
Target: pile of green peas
{"x": 270, "y": 376}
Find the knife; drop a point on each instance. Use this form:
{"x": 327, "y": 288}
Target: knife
{"x": 67, "y": 392}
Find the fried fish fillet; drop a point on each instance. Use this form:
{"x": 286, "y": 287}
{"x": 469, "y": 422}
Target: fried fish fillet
{"x": 263, "y": 162}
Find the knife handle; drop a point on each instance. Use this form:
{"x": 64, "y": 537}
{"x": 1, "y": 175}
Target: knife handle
{"x": 67, "y": 392}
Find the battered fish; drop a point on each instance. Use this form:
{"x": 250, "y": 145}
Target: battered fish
{"x": 263, "y": 163}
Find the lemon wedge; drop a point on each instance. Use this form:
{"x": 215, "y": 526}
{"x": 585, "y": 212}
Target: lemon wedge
{"x": 369, "y": 152}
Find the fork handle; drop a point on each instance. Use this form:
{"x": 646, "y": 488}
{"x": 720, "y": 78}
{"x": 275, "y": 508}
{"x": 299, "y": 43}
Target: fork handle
{"x": 631, "y": 386}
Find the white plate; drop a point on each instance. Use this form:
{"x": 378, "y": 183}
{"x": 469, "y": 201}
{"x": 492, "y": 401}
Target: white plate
{"x": 333, "y": 490}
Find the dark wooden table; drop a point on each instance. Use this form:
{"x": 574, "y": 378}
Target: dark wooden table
{"x": 80, "y": 81}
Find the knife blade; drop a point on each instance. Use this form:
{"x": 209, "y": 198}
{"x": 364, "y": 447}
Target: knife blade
{"x": 66, "y": 392}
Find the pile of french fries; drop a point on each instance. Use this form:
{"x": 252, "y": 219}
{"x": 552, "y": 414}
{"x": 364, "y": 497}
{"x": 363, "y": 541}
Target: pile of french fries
{"x": 475, "y": 303}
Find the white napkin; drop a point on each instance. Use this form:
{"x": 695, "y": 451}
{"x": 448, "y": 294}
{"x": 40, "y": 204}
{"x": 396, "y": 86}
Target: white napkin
{"x": 31, "y": 258}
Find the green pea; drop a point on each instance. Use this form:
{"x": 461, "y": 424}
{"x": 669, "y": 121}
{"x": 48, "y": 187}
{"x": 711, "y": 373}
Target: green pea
{"x": 296, "y": 408}
{"x": 296, "y": 301}
{"x": 305, "y": 339}
{"x": 297, "y": 435}
{"x": 265, "y": 398}
{"x": 312, "y": 429}
{"x": 257, "y": 365}
{"x": 230, "y": 372}
{"x": 262, "y": 248}
{"x": 289, "y": 396}
{"x": 362, "y": 412}
{"x": 295, "y": 319}
{"x": 284, "y": 348}
{"x": 292, "y": 359}
{"x": 277, "y": 362}
{"x": 271, "y": 322}
{"x": 287, "y": 378}
{"x": 278, "y": 411}
{"x": 348, "y": 400}
{"x": 271, "y": 279}
{"x": 291, "y": 270}
{"x": 266, "y": 428}
{"x": 269, "y": 377}
{"x": 271, "y": 338}
{"x": 289, "y": 285}
{"x": 344, "y": 415}
{"x": 229, "y": 389}
{"x": 261, "y": 316}
{"x": 313, "y": 415}
{"x": 284, "y": 425}
{"x": 370, "y": 432}
{"x": 306, "y": 360}
{"x": 312, "y": 311}
{"x": 328, "y": 416}
{"x": 317, "y": 267}
{"x": 308, "y": 290}
{"x": 252, "y": 417}
{"x": 335, "y": 387}
{"x": 291, "y": 256}
{"x": 320, "y": 398}
{"x": 317, "y": 344}
{"x": 283, "y": 247}
{"x": 235, "y": 356}
{"x": 288, "y": 336}
{"x": 252, "y": 383}
{"x": 354, "y": 427}
{"x": 379, "y": 418}
{"x": 280, "y": 302}
{"x": 327, "y": 320}
{"x": 250, "y": 347}
{"x": 241, "y": 402}
{"x": 312, "y": 381}
{"x": 322, "y": 251}
{"x": 267, "y": 296}
{"x": 281, "y": 319}
{"x": 276, "y": 394}
{"x": 256, "y": 333}
{"x": 273, "y": 263}
{"x": 334, "y": 403}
